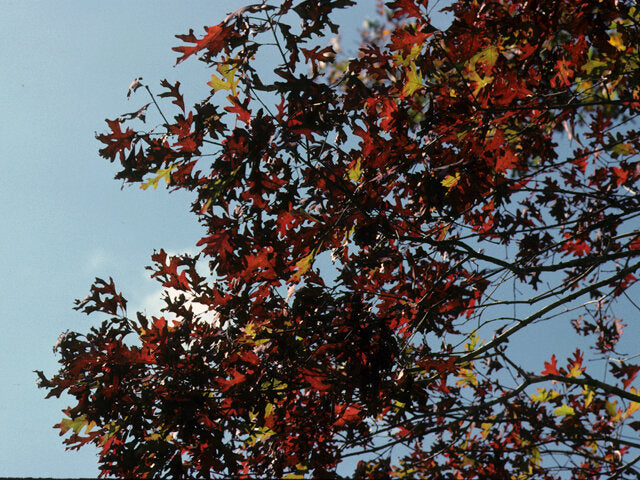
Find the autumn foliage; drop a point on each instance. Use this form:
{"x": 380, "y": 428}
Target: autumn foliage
{"x": 382, "y": 232}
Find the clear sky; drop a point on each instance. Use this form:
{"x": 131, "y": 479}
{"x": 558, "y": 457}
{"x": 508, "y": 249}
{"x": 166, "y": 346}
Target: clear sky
{"x": 64, "y": 68}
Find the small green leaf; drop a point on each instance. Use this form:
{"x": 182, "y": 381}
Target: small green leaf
{"x": 622, "y": 149}
{"x": 591, "y": 65}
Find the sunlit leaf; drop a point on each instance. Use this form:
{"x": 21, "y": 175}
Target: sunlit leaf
{"x": 564, "y": 410}
{"x": 355, "y": 171}
{"x": 161, "y": 174}
{"x": 414, "y": 81}
{"x": 450, "y": 181}
{"x": 616, "y": 39}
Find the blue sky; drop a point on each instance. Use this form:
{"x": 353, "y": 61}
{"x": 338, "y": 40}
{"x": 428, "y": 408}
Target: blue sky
{"x": 66, "y": 67}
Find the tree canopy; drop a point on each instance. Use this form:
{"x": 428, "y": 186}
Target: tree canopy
{"x": 380, "y": 232}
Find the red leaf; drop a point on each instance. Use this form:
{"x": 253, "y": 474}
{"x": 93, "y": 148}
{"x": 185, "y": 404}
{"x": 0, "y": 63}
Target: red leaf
{"x": 240, "y": 109}
{"x": 236, "y": 378}
{"x": 217, "y": 244}
{"x": 410, "y": 8}
{"x": 402, "y": 39}
{"x": 214, "y": 41}
{"x": 346, "y": 414}
{"x": 550, "y": 368}
{"x": 315, "y": 380}
{"x": 173, "y": 91}
{"x": 506, "y": 161}
{"x": 564, "y": 73}
{"x": 621, "y": 175}
{"x": 441, "y": 366}
{"x": 250, "y": 357}
{"x": 117, "y": 141}
{"x": 577, "y": 246}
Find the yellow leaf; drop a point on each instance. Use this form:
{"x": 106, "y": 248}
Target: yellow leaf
{"x": 355, "y": 172}
{"x": 217, "y": 83}
{"x": 543, "y": 395}
{"x": 294, "y": 476}
{"x": 584, "y": 87}
{"x": 414, "y": 81}
{"x": 564, "y": 410}
{"x": 615, "y": 39}
{"x": 229, "y": 73}
{"x": 535, "y": 456}
{"x": 451, "y": 181}
{"x": 161, "y": 173}
{"x": 486, "y": 426}
{"x": 479, "y": 82}
{"x": 413, "y": 54}
{"x": 488, "y": 56}
{"x": 575, "y": 371}
{"x": 250, "y": 330}
{"x": 76, "y": 424}
{"x": 467, "y": 461}
{"x": 468, "y": 377}
{"x": 623, "y": 149}
{"x": 227, "y": 82}
{"x": 611, "y": 408}
{"x": 348, "y": 233}
{"x": 398, "y": 404}
{"x": 274, "y": 385}
{"x": 268, "y": 410}
{"x": 303, "y": 265}
{"x": 633, "y": 406}
{"x": 588, "y": 394}
{"x": 473, "y": 341}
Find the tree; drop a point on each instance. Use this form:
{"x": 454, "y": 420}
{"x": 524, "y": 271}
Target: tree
{"x": 380, "y": 231}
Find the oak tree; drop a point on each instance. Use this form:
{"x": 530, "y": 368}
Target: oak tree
{"x": 382, "y": 234}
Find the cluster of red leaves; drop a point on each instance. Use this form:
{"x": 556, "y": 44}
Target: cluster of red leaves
{"x": 413, "y": 165}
